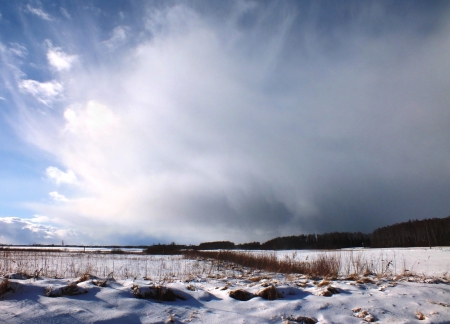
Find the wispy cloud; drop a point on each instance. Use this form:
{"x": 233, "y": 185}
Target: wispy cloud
{"x": 65, "y": 13}
{"x": 38, "y": 12}
{"x": 18, "y": 50}
{"x": 44, "y": 92}
{"x": 118, "y": 37}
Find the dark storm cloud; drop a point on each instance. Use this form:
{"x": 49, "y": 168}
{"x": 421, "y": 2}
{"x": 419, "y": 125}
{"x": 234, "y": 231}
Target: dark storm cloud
{"x": 242, "y": 121}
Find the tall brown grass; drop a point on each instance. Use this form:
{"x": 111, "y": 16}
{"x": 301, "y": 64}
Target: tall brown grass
{"x": 322, "y": 265}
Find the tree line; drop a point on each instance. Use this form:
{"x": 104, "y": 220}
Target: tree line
{"x": 413, "y": 233}
{"x": 427, "y": 232}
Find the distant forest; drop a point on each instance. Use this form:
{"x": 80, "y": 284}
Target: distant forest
{"x": 427, "y": 232}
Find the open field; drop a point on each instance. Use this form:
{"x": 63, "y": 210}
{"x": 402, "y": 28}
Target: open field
{"x": 383, "y": 285}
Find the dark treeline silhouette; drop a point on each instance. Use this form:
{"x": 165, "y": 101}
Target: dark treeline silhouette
{"x": 218, "y": 245}
{"x": 427, "y": 232}
{"x": 249, "y": 246}
{"x": 165, "y": 249}
{"x": 311, "y": 241}
{"x": 333, "y": 240}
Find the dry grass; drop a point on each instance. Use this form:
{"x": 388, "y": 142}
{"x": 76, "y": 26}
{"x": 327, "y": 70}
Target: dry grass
{"x": 241, "y": 295}
{"x": 251, "y": 266}
{"x": 190, "y": 287}
{"x": 323, "y": 283}
{"x": 24, "y": 264}
{"x": 327, "y": 292}
{"x": 301, "y": 319}
{"x": 363, "y": 314}
{"x": 4, "y": 287}
{"x": 352, "y": 277}
{"x": 159, "y": 293}
{"x": 322, "y": 265}
{"x": 69, "y": 290}
{"x": 367, "y": 272}
{"x": 420, "y": 316}
{"x": 84, "y": 278}
{"x": 365, "y": 280}
{"x": 439, "y": 303}
{"x": 269, "y": 293}
{"x": 100, "y": 283}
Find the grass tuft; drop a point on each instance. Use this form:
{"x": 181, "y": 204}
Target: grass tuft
{"x": 159, "y": 293}
{"x": 84, "y": 278}
{"x": 4, "y": 287}
{"x": 323, "y": 283}
{"x": 301, "y": 319}
{"x": 241, "y": 295}
{"x": 269, "y": 293}
{"x": 420, "y": 316}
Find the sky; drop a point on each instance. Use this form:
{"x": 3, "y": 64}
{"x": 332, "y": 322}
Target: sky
{"x": 139, "y": 122}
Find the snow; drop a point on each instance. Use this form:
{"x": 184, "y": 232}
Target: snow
{"x": 204, "y": 286}
{"x": 424, "y": 261}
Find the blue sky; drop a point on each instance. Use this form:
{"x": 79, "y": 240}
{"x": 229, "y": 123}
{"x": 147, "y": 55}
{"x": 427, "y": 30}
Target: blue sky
{"x": 134, "y": 122}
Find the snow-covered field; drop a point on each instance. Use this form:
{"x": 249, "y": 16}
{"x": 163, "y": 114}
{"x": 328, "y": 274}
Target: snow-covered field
{"x": 405, "y": 285}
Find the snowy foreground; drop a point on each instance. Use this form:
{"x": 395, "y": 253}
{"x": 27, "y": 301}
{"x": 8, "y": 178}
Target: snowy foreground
{"x": 410, "y": 286}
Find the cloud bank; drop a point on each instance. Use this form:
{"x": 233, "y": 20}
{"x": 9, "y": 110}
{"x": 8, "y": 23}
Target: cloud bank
{"x": 244, "y": 122}
{"x": 14, "y": 230}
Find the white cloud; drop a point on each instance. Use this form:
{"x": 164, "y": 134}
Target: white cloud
{"x": 39, "y": 12}
{"x": 60, "y": 60}
{"x": 45, "y": 92}
{"x": 41, "y": 219}
{"x": 60, "y": 177}
{"x": 18, "y": 50}
{"x": 65, "y": 13}
{"x": 14, "y": 230}
{"x": 58, "y": 197}
{"x": 94, "y": 119}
